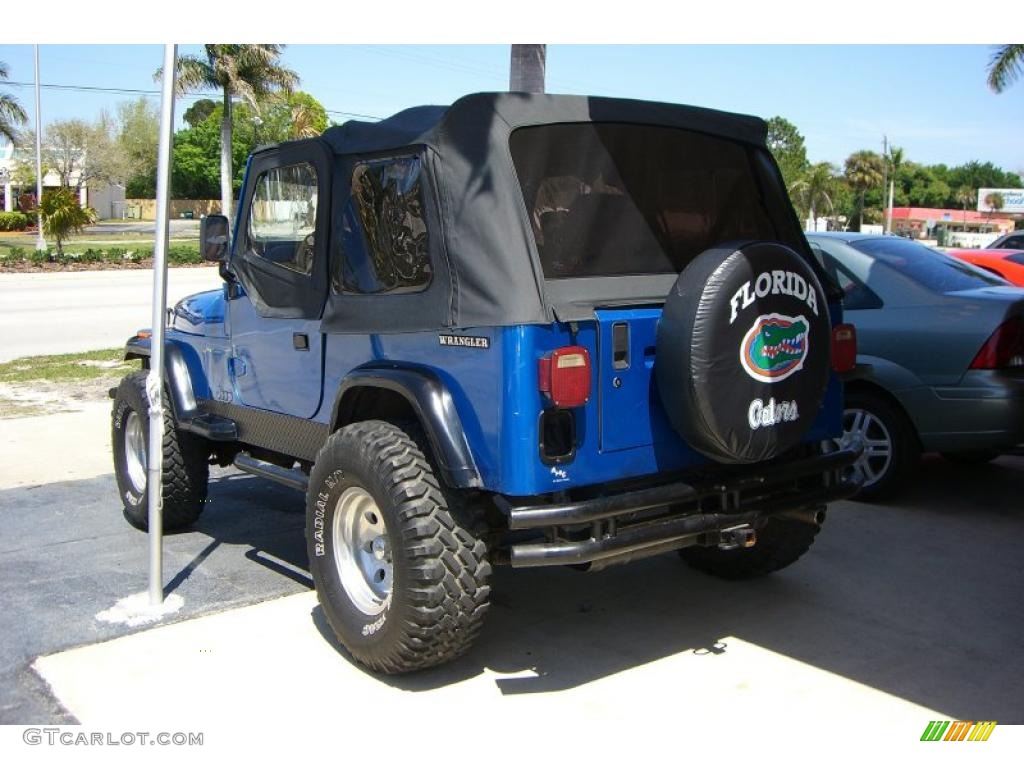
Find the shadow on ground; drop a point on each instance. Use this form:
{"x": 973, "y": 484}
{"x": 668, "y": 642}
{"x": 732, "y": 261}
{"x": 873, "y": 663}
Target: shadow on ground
{"x": 919, "y": 598}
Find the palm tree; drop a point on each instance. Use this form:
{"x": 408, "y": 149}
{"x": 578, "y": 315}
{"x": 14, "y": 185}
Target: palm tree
{"x": 1005, "y": 66}
{"x": 863, "y": 171}
{"x": 11, "y": 113}
{"x": 303, "y": 122}
{"x": 246, "y": 71}
{"x": 965, "y": 196}
{"x": 527, "y": 68}
{"x": 63, "y": 215}
{"x": 814, "y": 189}
{"x": 894, "y": 163}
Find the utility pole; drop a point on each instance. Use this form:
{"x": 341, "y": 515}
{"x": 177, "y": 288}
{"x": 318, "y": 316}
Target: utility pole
{"x": 885, "y": 178}
{"x": 40, "y": 241}
{"x": 528, "y": 68}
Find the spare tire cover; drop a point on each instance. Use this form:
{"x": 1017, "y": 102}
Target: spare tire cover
{"x": 744, "y": 350}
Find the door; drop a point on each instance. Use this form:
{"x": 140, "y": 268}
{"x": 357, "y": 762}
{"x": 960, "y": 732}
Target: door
{"x": 280, "y": 258}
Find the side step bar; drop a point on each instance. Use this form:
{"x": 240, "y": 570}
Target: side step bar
{"x": 293, "y": 478}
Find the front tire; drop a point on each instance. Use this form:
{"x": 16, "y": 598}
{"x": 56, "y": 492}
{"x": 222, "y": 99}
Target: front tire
{"x": 401, "y": 578}
{"x": 780, "y": 543}
{"x": 186, "y": 468}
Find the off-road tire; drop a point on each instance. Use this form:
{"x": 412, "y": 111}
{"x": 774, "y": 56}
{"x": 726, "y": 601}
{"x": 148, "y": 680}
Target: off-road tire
{"x": 186, "y": 468}
{"x": 440, "y": 570}
{"x": 780, "y": 543}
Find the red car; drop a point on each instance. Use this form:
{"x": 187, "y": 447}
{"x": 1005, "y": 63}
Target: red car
{"x": 1005, "y": 262}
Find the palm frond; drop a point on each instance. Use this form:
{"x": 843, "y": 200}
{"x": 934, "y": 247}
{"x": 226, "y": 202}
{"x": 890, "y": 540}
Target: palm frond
{"x": 1005, "y": 66}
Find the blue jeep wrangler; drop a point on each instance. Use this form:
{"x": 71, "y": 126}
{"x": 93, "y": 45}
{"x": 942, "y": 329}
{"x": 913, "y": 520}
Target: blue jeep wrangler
{"x": 523, "y": 329}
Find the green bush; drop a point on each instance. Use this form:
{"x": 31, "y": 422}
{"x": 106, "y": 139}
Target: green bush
{"x": 39, "y": 257}
{"x": 183, "y": 254}
{"x": 18, "y": 253}
{"x": 13, "y": 221}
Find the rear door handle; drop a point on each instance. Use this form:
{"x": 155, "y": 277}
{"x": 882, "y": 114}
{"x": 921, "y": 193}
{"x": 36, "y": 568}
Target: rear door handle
{"x": 300, "y": 341}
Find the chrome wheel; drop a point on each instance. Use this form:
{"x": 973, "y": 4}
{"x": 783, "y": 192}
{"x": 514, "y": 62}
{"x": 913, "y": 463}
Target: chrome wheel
{"x": 862, "y": 428}
{"x": 135, "y": 452}
{"x": 362, "y": 551}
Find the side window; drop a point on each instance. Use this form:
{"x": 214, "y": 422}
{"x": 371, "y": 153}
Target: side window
{"x": 282, "y": 217}
{"x": 856, "y": 294}
{"x": 1014, "y": 242}
{"x": 384, "y": 230}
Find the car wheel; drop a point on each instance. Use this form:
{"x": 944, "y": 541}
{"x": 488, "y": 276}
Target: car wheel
{"x": 401, "y": 577}
{"x": 888, "y": 442}
{"x": 186, "y": 468}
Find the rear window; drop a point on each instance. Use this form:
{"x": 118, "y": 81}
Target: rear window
{"x": 932, "y": 269}
{"x": 617, "y": 199}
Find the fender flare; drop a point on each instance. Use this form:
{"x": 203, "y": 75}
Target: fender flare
{"x": 177, "y": 374}
{"x": 433, "y": 405}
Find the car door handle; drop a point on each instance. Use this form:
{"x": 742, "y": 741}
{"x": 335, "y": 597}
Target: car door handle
{"x": 300, "y": 341}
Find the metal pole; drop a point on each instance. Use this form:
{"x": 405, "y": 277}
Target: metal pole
{"x": 40, "y": 240}
{"x": 155, "y": 380}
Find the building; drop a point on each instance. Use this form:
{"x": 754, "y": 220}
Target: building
{"x": 107, "y": 199}
{"x": 925, "y": 223}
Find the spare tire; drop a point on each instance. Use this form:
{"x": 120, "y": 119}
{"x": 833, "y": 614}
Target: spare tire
{"x": 744, "y": 349}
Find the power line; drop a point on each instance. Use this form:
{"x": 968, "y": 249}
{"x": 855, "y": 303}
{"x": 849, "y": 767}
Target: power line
{"x": 144, "y": 92}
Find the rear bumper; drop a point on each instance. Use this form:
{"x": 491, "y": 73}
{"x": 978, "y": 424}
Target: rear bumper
{"x": 638, "y": 523}
{"x": 985, "y": 411}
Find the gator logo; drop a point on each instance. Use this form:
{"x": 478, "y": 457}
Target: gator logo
{"x": 775, "y": 347}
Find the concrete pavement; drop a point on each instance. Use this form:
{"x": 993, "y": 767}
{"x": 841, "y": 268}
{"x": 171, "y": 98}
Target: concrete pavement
{"x": 897, "y": 613}
{"x": 45, "y": 313}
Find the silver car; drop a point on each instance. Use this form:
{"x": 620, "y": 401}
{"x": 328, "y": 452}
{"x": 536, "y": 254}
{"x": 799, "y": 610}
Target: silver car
{"x": 940, "y": 353}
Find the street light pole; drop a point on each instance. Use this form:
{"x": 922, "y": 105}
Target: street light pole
{"x": 40, "y": 241}
{"x": 155, "y": 380}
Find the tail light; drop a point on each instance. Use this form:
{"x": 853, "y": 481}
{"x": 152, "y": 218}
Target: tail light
{"x": 1004, "y": 348}
{"x": 565, "y": 376}
{"x": 844, "y": 348}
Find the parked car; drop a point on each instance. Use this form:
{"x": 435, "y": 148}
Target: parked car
{"x": 1013, "y": 240}
{"x": 1005, "y": 262}
{"x": 523, "y": 329}
{"x": 940, "y": 354}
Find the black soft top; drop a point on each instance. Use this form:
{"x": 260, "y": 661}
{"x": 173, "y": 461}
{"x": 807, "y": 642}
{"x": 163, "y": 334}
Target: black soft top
{"x": 487, "y": 270}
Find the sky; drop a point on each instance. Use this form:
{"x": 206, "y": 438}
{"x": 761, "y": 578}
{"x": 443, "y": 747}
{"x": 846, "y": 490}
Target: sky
{"x": 931, "y": 100}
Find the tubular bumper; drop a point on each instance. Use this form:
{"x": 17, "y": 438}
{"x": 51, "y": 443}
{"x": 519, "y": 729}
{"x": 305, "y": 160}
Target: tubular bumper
{"x": 627, "y": 524}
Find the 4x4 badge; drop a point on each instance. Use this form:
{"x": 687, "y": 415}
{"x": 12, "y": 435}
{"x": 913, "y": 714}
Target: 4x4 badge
{"x": 775, "y": 347}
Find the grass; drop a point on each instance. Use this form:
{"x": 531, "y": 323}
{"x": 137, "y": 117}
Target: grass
{"x": 77, "y": 367}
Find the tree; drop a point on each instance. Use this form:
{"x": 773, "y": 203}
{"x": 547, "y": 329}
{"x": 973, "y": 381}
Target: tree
{"x": 863, "y": 171}
{"x": 814, "y": 189}
{"x": 11, "y": 114}
{"x": 787, "y": 146}
{"x": 199, "y": 111}
{"x": 80, "y": 153}
{"x": 966, "y": 196}
{"x": 137, "y": 135}
{"x": 63, "y": 215}
{"x": 245, "y": 71}
{"x": 894, "y": 162}
{"x": 289, "y": 116}
{"x": 1005, "y": 66}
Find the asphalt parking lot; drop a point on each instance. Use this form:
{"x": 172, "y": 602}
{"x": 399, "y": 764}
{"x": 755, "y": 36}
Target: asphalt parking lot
{"x": 912, "y": 606}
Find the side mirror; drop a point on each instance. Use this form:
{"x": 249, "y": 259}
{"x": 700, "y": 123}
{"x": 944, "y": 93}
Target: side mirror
{"x": 214, "y": 236}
